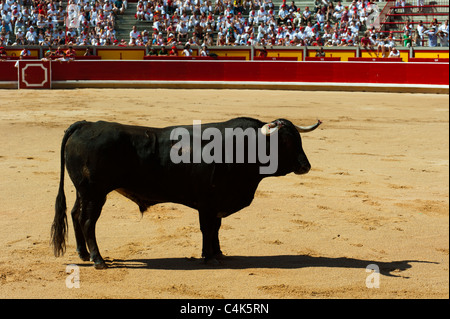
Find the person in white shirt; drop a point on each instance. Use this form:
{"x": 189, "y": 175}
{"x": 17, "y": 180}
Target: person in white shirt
{"x": 306, "y": 15}
{"x": 338, "y": 11}
{"x": 4, "y": 5}
{"x": 261, "y": 31}
{"x": 282, "y": 14}
{"x": 187, "y": 50}
{"x": 310, "y": 30}
{"x": 292, "y": 33}
{"x": 134, "y": 33}
{"x": 301, "y": 34}
{"x": 443, "y": 33}
{"x": 107, "y": 7}
{"x": 354, "y": 28}
{"x": 261, "y": 15}
{"x": 182, "y": 31}
{"x": 420, "y": 34}
{"x": 252, "y": 16}
{"x": 394, "y": 53}
{"x": 31, "y": 36}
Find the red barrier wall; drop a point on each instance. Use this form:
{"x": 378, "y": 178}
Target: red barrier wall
{"x": 7, "y": 71}
{"x": 324, "y": 75}
{"x": 260, "y": 71}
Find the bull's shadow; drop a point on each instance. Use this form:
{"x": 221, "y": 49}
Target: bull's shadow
{"x": 258, "y": 262}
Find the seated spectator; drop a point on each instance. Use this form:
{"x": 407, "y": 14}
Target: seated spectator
{"x": 208, "y": 40}
{"x": 41, "y": 24}
{"x": 41, "y": 38}
{"x": 148, "y": 14}
{"x": 31, "y": 36}
{"x": 64, "y": 58}
{"x": 282, "y": 15}
{"x": 88, "y": 52}
{"x": 252, "y": 16}
{"x": 173, "y": 51}
{"x": 163, "y": 51}
{"x": 320, "y": 53}
{"x": 59, "y": 52}
{"x": 122, "y": 43}
{"x": 132, "y": 42}
{"x": 107, "y": 7}
{"x": 134, "y": 33}
{"x": 49, "y": 54}
{"x": 152, "y": 52}
{"x": 140, "y": 11}
{"x": 306, "y": 16}
{"x": 381, "y": 47}
{"x": 5, "y": 30}
{"x": 160, "y": 39}
{"x": 366, "y": 43}
{"x": 297, "y": 18}
{"x": 262, "y": 15}
{"x": 25, "y": 53}
{"x": 204, "y": 51}
{"x": 394, "y": 53}
{"x": 391, "y": 40}
{"x": 194, "y": 40}
{"x": 338, "y": 11}
{"x": 182, "y": 32}
{"x": 20, "y": 36}
{"x": 70, "y": 52}
{"x": 3, "y": 54}
{"x": 320, "y": 18}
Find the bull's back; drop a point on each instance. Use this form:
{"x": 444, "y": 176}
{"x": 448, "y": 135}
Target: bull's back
{"x": 101, "y": 154}
{"x": 106, "y": 156}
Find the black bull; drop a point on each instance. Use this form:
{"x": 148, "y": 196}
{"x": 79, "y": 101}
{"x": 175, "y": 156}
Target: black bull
{"x": 135, "y": 161}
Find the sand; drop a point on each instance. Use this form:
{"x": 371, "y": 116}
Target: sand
{"x": 377, "y": 193}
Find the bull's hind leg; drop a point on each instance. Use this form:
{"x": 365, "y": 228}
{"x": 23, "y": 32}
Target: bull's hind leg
{"x": 79, "y": 236}
{"x": 209, "y": 226}
{"x": 90, "y": 212}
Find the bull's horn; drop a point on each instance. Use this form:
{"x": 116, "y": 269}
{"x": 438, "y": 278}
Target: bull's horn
{"x": 269, "y": 128}
{"x": 305, "y": 129}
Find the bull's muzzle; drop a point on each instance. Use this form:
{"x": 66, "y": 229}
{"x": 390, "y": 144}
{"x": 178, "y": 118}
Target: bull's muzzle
{"x": 303, "y": 169}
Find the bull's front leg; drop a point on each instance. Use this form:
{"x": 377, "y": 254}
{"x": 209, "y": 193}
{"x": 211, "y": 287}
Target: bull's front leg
{"x": 209, "y": 226}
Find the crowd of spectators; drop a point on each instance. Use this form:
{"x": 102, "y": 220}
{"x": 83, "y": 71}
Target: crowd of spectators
{"x": 47, "y": 22}
{"x": 252, "y": 22}
{"x": 208, "y": 22}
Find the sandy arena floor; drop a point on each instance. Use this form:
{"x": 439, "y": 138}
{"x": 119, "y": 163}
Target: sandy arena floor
{"x": 378, "y": 193}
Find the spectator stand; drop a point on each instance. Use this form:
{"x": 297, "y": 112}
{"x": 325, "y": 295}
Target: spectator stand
{"x": 41, "y": 22}
{"x": 397, "y": 14}
{"x": 255, "y": 39}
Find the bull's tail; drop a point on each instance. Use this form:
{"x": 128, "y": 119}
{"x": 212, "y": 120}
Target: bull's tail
{"x": 59, "y": 226}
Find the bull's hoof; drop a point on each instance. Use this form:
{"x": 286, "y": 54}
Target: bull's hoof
{"x": 100, "y": 265}
{"x": 84, "y": 256}
{"x": 220, "y": 256}
{"x": 211, "y": 261}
